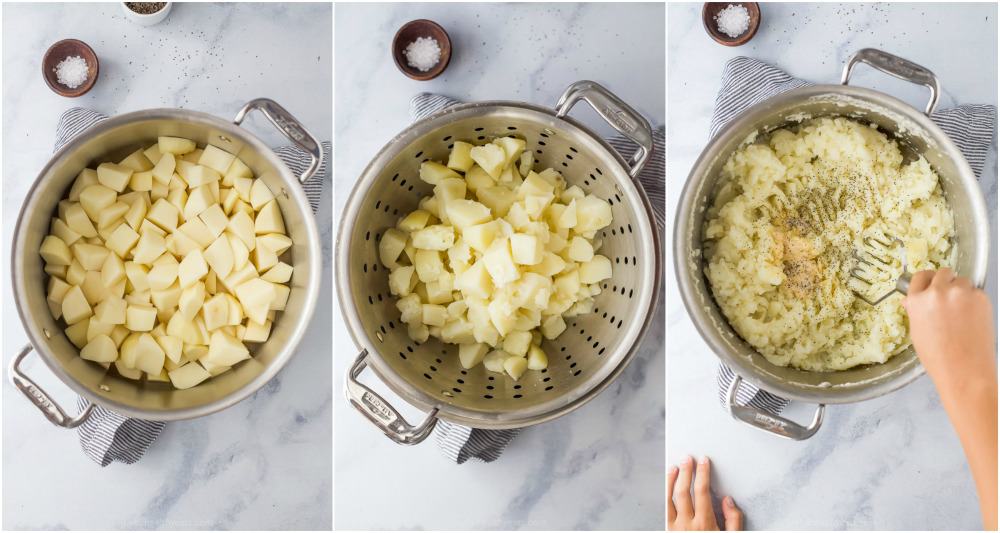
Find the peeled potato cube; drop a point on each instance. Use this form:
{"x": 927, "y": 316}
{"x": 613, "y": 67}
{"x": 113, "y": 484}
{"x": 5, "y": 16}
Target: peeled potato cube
{"x": 237, "y": 169}
{"x": 240, "y": 252}
{"x": 592, "y": 214}
{"x": 257, "y": 332}
{"x": 464, "y": 213}
{"x": 256, "y": 296}
{"x": 515, "y": 366}
{"x": 269, "y": 220}
{"x": 112, "y": 176}
{"x": 475, "y": 281}
{"x": 215, "y": 219}
{"x": 200, "y": 176}
{"x": 216, "y": 312}
{"x": 164, "y": 215}
{"x": 77, "y": 220}
{"x": 111, "y": 311}
{"x": 191, "y": 269}
{"x": 216, "y": 159}
{"x": 537, "y": 360}
{"x": 148, "y": 356}
{"x": 401, "y": 280}
{"x": 224, "y": 349}
{"x": 163, "y": 172}
{"x": 498, "y": 198}
{"x": 55, "y": 252}
{"x": 97, "y": 198}
{"x": 428, "y": 264}
{"x": 470, "y": 355}
{"x": 417, "y": 219}
{"x": 260, "y": 195}
{"x": 580, "y": 250}
{"x": 163, "y": 273}
{"x": 595, "y": 270}
{"x": 502, "y": 316}
{"x": 242, "y": 226}
{"x": 438, "y": 237}
{"x": 198, "y": 232}
{"x": 61, "y": 230}
{"x": 480, "y": 236}
{"x": 140, "y": 317}
{"x": 434, "y": 315}
{"x": 199, "y": 199}
{"x": 281, "y": 293}
{"x": 175, "y": 145}
{"x": 460, "y": 159}
{"x": 433, "y": 172}
{"x": 188, "y": 376}
{"x": 219, "y": 256}
{"x": 418, "y": 332}
{"x": 171, "y": 346}
{"x": 517, "y": 342}
{"x": 489, "y": 157}
{"x": 141, "y": 181}
{"x": 553, "y": 326}
{"x": 500, "y": 263}
{"x": 84, "y": 179}
{"x": 390, "y": 246}
{"x": 264, "y": 258}
{"x": 90, "y": 256}
{"x": 191, "y": 300}
{"x": 149, "y": 248}
{"x": 100, "y": 349}
{"x": 75, "y": 306}
{"x": 525, "y": 249}
{"x": 494, "y": 361}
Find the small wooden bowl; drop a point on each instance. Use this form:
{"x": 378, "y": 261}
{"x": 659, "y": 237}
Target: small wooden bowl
{"x": 711, "y": 9}
{"x": 409, "y": 33}
{"x": 61, "y": 50}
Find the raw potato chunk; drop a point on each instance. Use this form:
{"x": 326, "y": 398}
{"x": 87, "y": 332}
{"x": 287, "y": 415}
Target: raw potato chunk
{"x": 496, "y": 256}
{"x": 168, "y": 261}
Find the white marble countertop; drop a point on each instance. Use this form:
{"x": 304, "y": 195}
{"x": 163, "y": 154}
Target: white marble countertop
{"x": 600, "y": 467}
{"x": 266, "y": 462}
{"x": 888, "y": 463}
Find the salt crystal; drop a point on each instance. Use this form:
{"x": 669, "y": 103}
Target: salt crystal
{"x": 72, "y": 71}
{"x": 423, "y": 53}
{"x": 734, "y": 20}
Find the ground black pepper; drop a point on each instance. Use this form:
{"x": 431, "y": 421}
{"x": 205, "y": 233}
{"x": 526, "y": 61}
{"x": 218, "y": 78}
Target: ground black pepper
{"x": 145, "y": 8}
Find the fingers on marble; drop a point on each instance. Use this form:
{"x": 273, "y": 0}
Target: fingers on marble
{"x": 682, "y": 489}
{"x": 671, "y": 479}
{"x": 732, "y": 515}
{"x": 702, "y": 488}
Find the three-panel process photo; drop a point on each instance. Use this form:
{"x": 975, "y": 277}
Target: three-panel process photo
{"x": 499, "y": 266}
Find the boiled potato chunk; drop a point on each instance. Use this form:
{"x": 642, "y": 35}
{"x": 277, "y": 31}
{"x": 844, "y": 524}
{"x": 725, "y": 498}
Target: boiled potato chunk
{"x": 496, "y": 256}
{"x": 166, "y": 262}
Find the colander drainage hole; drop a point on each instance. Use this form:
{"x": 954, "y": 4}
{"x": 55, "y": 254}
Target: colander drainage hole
{"x": 577, "y": 373}
{"x": 516, "y": 396}
{"x": 491, "y": 378}
{"x": 511, "y": 128}
{"x": 517, "y": 387}
{"x": 629, "y": 228}
{"x": 595, "y": 345}
{"x": 446, "y": 139}
{"x": 541, "y": 143}
{"x": 602, "y": 351}
{"x": 420, "y": 153}
{"x": 488, "y": 397}
{"x": 402, "y": 355}
{"x": 428, "y": 377}
{"x": 396, "y": 177}
{"x": 460, "y": 381}
{"x": 574, "y": 150}
{"x": 378, "y": 204}
{"x": 457, "y": 390}
{"x": 546, "y": 379}
{"x": 564, "y": 164}
{"x": 489, "y": 387}
{"x": 619, "y": 324}
{"x": 572, "y": 365}
{"x": 549, "y": 387}
{"x": 409, "y": 349}
{"x": 480, "y": 129}
{"x": 368, "y": 235}
{"x": 365, "y": 267}
{"x": 599, "y": 171}
{"x": 433, "y": 368}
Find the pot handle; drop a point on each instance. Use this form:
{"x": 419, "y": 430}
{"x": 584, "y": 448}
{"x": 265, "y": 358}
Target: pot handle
{"x": 40, "y": 398}
{"x": 380, "y": 413}
{"x": 290, "y": 127}
{"x": 895, "y": 66}
{"x": 773, "y": 424}
{"x": 621, "y": 116}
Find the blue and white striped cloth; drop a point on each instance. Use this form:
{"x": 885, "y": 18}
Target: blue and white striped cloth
{"x": 106, "y": 436}
{"x": 460, "y": 443}
{"x": 747, "y": 81}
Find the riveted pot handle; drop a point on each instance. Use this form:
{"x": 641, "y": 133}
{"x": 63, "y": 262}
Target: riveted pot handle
{"x": 380, "y": 413}
{"x": 40, "y": 398}
{"x": 895, "y": 66}
{"x": 615, "y": 112}
{"x": 290, "y": 127}
{"x": 776, "y": 425}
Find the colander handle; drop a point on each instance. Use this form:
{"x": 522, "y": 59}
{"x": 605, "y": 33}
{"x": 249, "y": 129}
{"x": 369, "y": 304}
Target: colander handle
{"x": 290, "y": 127}
{"x": 895, "y": 66}
{"x": 380, "y": 413}
{"x": 615, "y": 112}
{"x": 776, "y": 425}
{"x": 40, "y": 398}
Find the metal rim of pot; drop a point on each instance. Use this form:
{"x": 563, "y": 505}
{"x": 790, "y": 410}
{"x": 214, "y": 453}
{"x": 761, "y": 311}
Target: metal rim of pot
{"x": 688, "y": 263}
{"x": 289, "y": 127}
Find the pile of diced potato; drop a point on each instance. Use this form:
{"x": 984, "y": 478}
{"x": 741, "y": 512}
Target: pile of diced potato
{"x": 496, "y": 257}
{"x": 165, "y": 263}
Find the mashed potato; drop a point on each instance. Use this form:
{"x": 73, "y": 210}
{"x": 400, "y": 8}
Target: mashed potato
{"x": 781, "y": 229}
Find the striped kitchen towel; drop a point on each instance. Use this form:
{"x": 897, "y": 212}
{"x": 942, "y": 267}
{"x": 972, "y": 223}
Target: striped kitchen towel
{"x": 747, "y": 81}
{"x": 107, "y": 436}
{"x": 460, "y": 443}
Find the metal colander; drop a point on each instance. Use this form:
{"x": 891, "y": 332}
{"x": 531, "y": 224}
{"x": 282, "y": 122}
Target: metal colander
{"x": 595, "y": 347}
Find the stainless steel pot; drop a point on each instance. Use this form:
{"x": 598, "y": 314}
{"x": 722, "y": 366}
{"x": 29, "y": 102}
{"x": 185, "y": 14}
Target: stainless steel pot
{"x": 918, "y": 135}
{"x": 593, "y": 350}
{"x": 113, "y": 139}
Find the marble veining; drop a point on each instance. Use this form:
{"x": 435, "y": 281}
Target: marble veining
{"x": 600, "y": 467}
{"x": 266, "y": 462}
{"x": 889, "y": 463}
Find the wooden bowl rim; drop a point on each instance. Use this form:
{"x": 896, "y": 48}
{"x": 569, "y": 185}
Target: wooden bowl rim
{"x": 755, "y": 17}
{"x": 48, "y": 63}
{"x": 445, "y": 45}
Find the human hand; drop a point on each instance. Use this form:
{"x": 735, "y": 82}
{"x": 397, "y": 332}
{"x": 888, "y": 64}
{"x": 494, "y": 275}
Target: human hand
{"x": 951, "y": 325}
{"x": 699, "y": 515}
